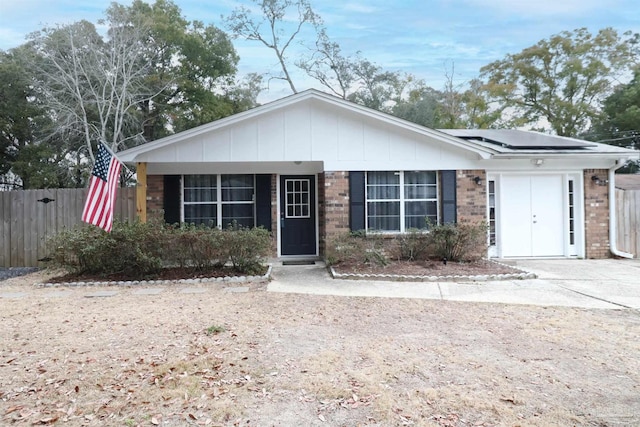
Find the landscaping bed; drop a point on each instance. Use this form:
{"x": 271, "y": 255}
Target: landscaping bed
{"x": 429, "y": 269}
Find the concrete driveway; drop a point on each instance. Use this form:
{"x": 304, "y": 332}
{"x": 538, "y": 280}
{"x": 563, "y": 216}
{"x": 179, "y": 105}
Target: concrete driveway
{"x": 605, "y": 284}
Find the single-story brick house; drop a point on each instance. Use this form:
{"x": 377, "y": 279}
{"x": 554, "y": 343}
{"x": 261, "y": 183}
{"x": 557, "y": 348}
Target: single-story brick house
{"x": 311, "y": 166}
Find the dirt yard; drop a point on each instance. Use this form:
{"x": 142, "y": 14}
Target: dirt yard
{"x": 263, "y": 359}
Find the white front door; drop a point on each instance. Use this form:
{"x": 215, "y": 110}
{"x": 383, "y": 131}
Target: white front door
{"x": 532, "y": 215}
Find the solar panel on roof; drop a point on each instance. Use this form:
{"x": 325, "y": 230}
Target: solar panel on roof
{"x": 518, "y": 140}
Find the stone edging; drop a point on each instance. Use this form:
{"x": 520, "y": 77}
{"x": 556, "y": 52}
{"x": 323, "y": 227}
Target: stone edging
{"x": 452, "y": 278}
{"x": 203, "y": 280}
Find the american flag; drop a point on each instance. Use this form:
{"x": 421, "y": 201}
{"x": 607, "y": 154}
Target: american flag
{"x": 98, "y": 209}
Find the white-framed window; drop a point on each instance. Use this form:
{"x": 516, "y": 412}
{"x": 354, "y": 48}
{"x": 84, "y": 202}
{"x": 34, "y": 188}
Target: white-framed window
{"x": 492, "y": 212}
{"x": 219, "y": 200}
{"x": 400, "y": 200}
{"x": 572, "y": 212}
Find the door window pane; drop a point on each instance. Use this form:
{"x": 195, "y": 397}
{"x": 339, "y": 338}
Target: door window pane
{"x": 297, "y": 198}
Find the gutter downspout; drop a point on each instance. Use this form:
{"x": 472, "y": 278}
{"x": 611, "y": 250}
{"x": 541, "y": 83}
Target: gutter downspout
{"x": 613, "y": 244}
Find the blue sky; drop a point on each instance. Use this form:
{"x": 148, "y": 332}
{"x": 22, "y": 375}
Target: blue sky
{"x": 422, "y": 37}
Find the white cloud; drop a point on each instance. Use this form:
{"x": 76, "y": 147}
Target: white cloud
{"x": 543, "y": 7}
{"x": 360, "y": 8}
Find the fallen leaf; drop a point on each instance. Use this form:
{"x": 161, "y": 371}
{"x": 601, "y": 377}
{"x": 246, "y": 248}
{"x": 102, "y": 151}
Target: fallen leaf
{"x": 48, "y": 420}
{"x": 155, "y": 421}
{"x": 13, "y": 409}
{"x": 321, "y": 417}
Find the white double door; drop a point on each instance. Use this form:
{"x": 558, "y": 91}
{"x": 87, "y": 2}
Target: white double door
{"x": 532, "y": 215}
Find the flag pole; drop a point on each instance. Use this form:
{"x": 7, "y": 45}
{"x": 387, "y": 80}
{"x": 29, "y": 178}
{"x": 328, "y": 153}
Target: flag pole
{"x": 116, "y": 157}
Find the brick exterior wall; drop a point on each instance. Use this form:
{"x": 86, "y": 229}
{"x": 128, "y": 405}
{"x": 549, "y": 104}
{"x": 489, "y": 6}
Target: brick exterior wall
{"x": 333, "y": 198}
{"x": 155, "y": 197}
{"x": 471, "y": 197}
{"x": 596, "y": 214}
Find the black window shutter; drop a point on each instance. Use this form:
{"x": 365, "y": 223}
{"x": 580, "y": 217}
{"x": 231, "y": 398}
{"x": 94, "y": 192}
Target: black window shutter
{"x": 171, "y": 195}
{"x": 263, "y": 201}
{"x": 356, "y": 201}
{"x": 448, "y": 189}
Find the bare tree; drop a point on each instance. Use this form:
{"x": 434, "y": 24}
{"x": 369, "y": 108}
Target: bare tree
{"x": 92, "y": 86}
{"x": 330, "y": 67}
{"x": 271, "y": 27}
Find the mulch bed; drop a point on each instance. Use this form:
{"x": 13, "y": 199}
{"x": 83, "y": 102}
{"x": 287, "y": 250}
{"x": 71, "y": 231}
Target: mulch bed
{"x": 166, "y": 274}
{"x": 407, "y": 268}
{"x": 428, "y": 268}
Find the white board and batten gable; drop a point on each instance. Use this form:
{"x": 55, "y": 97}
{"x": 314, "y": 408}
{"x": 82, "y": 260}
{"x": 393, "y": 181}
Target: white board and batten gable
{"x": 307, "y": 132}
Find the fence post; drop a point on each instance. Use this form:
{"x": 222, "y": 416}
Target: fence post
{"x": 141, "y": 192}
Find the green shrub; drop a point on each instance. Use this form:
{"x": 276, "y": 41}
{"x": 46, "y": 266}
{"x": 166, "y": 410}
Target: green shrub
{"x": 356, "y": 247}
{"x": 199, "y": 247}
{"x": 139, "y": 250}
{"x": 246, "y": 248}
{"x": 133, "y": 249}
{"x": 459, "y": 242}
{"x": 412, "y": 245}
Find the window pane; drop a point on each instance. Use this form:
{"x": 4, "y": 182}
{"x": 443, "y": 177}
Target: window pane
{"x": 420, "y": 185}
{"x": 200, "y": 181}
{"x": 237, "y": 188}
{"x": 383, "y": 192}
{"x": 383, "y": 216}
{"x": 237, "y": 194}
{"x": 236, "y": 181}
{"x": 416, "y": 214}
{"x": 242, "y": 214}
{"x": 200, "y": 188}
{"x": 383, "y": 185}
{"x": 383, "y": 178}
{"x": 421, "y": 177}
{"x": 420, "y": 192}
{"x": 200, "y": 195}
{"x": 200, "y": 214}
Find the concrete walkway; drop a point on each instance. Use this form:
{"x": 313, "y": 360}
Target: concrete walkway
{"x": 605, "y": 284}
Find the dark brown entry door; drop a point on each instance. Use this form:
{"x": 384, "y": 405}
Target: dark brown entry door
{"x": 298, "y": 215}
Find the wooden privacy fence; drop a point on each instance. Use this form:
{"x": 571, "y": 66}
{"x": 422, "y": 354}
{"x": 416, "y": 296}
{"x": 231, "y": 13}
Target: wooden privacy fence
{"x": 628, "y": 218}
{"x": 28, "y": 218}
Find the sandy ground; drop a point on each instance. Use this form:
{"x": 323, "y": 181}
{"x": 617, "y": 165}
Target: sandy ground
{"x": 264, "y": 359}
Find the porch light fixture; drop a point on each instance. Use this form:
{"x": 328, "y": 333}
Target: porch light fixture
{"x": 537, "y": 162}
{"x": 597, "y": 181}
{"x": 477, "y": 180}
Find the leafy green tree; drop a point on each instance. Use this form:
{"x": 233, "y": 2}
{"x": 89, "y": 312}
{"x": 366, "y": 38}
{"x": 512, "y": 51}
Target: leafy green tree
{"x": 194, "y": 69}
{"x": 620, "y": 121}
{"x": 422, "y": 106}
{"x": 25, "y": 162}
{"x": 560, "y": 80}
{"x": 479, "y": 112}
